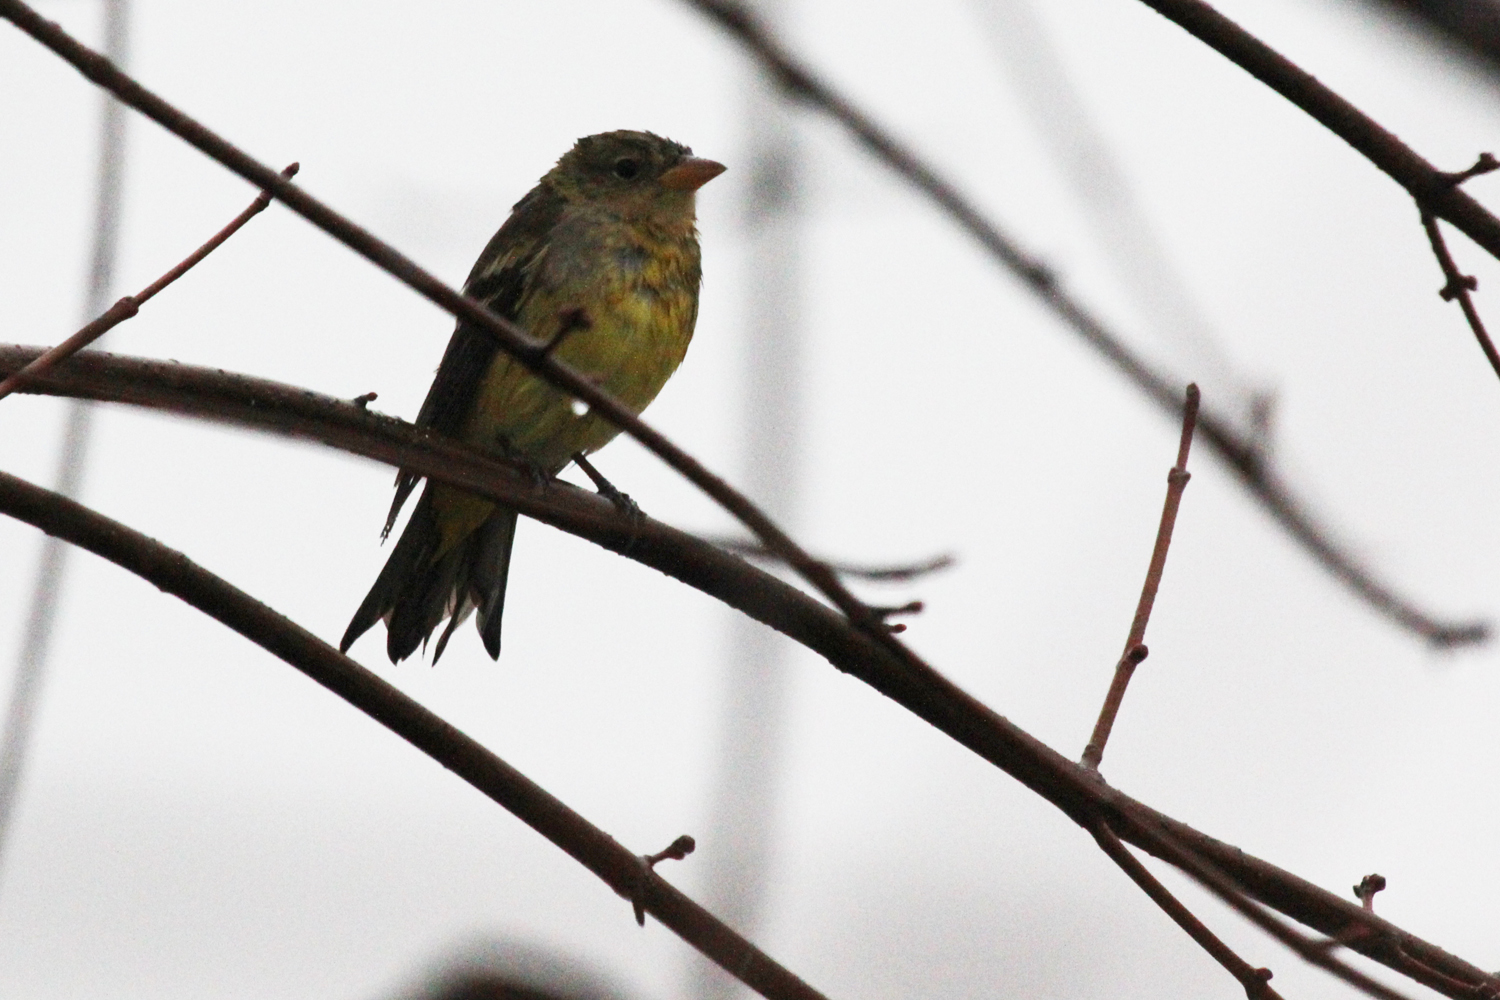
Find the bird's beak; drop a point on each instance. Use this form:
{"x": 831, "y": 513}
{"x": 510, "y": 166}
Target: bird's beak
{"x": 691, "y": 174}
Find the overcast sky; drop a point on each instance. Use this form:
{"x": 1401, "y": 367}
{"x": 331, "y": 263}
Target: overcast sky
{"x": 200, "y": 821}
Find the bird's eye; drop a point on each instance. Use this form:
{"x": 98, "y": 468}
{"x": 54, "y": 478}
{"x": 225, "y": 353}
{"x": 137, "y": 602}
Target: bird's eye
{"x": 626, "y": 168}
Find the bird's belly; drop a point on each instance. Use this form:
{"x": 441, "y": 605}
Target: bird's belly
{"x": 629, "y": 350}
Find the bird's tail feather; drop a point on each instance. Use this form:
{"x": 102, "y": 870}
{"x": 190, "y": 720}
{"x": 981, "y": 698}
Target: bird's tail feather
{"x": 415, "y": 591}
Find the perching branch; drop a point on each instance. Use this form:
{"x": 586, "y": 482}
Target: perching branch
{"x": 629, "y": 875}
{"x": 128, "y": 306}
{"x": 514, "y": 340}
{"x": 1135, "y": 649}
{"x": 269, "y": 406}
{"x": 1242, "y": 454}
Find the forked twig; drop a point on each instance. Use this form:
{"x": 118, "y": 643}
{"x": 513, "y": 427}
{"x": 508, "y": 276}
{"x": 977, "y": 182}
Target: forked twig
{"x": 1255, "y": 981}
{"x": 1167, "y": 847}
{"x": 128, "y": 306}
{"x": 628, "y": 874}
{"x": 1458, "y": 285}
{"x": 1135, "y": 649}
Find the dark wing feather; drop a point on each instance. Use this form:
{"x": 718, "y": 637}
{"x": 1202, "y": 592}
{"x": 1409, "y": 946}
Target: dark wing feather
{"x": 499, "y": 280}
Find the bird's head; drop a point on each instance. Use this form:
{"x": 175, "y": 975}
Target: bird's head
{"x": 635, "y": 175}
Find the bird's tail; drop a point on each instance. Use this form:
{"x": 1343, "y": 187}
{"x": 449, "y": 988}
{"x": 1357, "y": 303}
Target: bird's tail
{"x": 418, "y": 588}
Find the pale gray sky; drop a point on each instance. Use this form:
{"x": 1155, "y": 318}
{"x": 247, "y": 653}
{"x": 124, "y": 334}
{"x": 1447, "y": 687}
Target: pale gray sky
{"x": 200, "y": 821}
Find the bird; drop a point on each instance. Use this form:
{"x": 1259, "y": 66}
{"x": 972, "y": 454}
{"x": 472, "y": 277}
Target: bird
{"x": 599, "y": 259}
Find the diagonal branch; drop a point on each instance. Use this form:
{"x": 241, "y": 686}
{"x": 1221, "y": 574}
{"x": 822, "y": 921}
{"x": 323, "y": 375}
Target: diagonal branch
{"x": 1242, "y": 454}
{"x": 627, "y": 874}
{"x": 1077, "y": 792}
{"x": 1430, "y": 186}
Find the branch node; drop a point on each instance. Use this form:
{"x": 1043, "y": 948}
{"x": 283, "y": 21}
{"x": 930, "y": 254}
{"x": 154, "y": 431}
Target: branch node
{"x": 264, "y": 199}
{"x": 1484, "y": 165}
{"x": 1367, "y": 888}
{"x": 1457, "y": 285}
{"x": 675, "y": 851}
{"x": 364, "y": 400}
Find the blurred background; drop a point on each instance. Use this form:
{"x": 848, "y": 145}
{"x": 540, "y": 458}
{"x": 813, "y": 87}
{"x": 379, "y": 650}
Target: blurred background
{"x": 197, "y": 820}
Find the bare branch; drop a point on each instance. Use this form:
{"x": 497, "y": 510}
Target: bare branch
{"x": 1135, "y": 649}
{"x": 1255, "y": 981}
{"x": 628, "y": 874}
{"x": 1076, "y": 791}
{"x": 128, "y": 306}
{"x": 1244, "y": 455}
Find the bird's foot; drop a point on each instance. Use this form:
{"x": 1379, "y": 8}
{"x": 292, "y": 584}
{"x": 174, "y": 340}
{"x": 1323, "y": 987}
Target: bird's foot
{"x": 608, "y": 491}
{"x": 540, "y": 477}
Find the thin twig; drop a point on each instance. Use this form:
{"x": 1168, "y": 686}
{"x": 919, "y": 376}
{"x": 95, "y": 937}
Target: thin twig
{"x": 895, "y": 573}
{"x": 1244, "y": 455}
{"x": 288, "y": 410}
{"x": 128, "y": 306}
{"x": 621, "y": 870}
{"x": 1458, "y": 285}
{"x": 1255, "y": 981}
{"x": 1135, "y": 649}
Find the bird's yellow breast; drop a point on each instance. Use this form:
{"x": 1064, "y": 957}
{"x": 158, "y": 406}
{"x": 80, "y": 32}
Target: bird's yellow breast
{"x": 638, "y": 292}
{"x": 637, "y": 286}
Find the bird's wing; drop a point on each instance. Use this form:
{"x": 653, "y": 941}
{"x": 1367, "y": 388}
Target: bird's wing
{"x": 500, "y": 279}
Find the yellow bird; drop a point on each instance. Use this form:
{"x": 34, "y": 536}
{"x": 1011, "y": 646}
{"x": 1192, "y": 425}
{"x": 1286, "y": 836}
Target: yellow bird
{"x": 604, "y": 252}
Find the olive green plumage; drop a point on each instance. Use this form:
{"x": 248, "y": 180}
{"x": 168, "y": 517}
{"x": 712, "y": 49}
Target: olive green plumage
{"x": 605, "y": 245}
